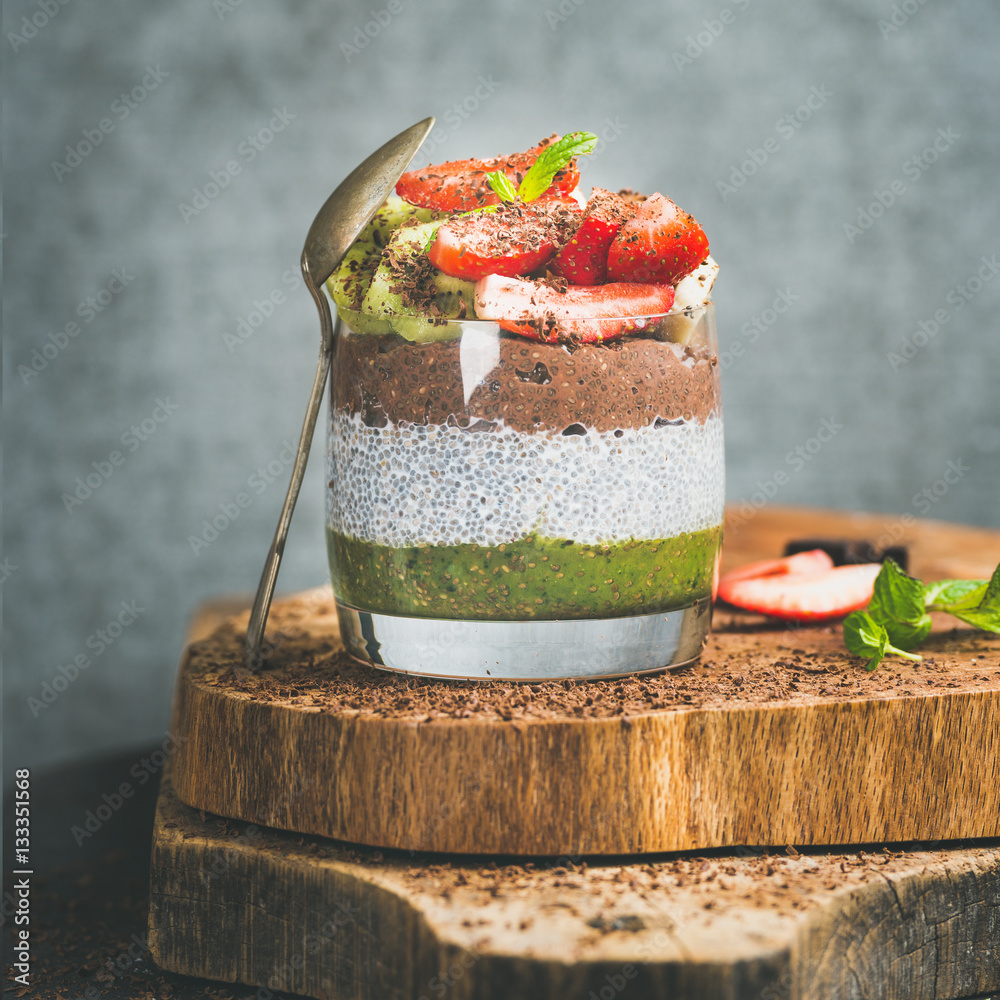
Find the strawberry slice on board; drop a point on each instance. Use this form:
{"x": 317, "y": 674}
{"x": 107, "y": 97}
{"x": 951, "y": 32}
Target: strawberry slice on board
{"x": 659, "y": 244}
{"x": 800, "y": 589}
{"x": 512, "y": 240}
{"x": 461, "y": 185}
{"x": 584, "y": 259}
{"x": 585, "y": 313}
{"x": 813, "y": 561}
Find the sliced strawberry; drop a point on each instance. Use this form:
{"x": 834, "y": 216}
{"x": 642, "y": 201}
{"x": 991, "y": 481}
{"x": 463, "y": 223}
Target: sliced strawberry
{"x": 461, "y": 185}
{"x": 515, "y": 239}
{"x": 586, "y": 313}
{"x": 558, "y": 205}
{"x": 813, "y": 596}
{"x": 584, "y": 259}
{"x": 659, "y": 244}
{"x": 814, "y": 561}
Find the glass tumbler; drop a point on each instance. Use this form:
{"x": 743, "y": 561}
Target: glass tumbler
{"x": 508, "y": 508}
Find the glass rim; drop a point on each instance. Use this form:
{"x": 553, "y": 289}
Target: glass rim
{"x": 347, "y": 318}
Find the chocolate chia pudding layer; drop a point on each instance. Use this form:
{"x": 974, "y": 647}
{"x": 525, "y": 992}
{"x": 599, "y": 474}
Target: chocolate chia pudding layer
{"x": 534, "y": 386}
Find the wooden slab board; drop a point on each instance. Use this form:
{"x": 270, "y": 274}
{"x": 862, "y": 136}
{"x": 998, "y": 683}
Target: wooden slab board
{"x": 278, "y": 911}
{"x": 776, "y": 736}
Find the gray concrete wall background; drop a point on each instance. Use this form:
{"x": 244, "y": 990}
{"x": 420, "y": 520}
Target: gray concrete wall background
{"x": 698, "y": 110}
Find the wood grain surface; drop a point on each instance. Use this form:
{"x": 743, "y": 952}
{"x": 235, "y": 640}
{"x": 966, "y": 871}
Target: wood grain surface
{"x": 777, "y": 735}
{"x": 277, "y": 911}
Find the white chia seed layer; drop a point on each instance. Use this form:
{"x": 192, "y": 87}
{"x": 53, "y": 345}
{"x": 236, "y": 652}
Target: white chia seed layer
{"x": 440, "y": 485}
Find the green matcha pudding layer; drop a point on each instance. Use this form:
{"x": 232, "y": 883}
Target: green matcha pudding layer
{"x": 531, "y": 578}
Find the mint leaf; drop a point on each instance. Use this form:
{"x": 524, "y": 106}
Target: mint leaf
{"x": 954, "y": 593}
{"x": 551, "y": 160}
{"x": 906, "y": 635}
{"x": 987, "y": 619}
{"x": 866, "y": 637}
{"x": 986, "y": 614}
{"x": 502, "y": 185}
{"x": 897, "y": 596}
{"x": 897, "y": 604}
{"x": 976, "y": 602}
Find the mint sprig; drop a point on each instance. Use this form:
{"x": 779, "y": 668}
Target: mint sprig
{"x": 866, "y": 637}
{"x": 541, "y": 173}
{"x": 897, "y": 618}
{"x": 502, "y": 185}
{"x": 551, "y": 160}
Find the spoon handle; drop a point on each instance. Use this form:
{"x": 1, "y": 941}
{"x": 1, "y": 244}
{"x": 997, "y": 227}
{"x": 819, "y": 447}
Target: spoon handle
{"x": 268, "y": 579}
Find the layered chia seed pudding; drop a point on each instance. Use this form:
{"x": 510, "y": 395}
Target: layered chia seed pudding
{"x": 525, "y": 434}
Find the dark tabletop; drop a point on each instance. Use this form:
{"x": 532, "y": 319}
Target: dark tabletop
{"x": 90, "y": 891}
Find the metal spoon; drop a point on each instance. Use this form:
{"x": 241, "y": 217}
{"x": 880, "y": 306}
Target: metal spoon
{"x": 346, "y": 212}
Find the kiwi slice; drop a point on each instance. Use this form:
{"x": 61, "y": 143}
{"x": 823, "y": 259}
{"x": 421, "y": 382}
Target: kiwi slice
{"x": 431, "y": 297}
{"x": 349, "y": 283}
{"x": 361, "y": 322}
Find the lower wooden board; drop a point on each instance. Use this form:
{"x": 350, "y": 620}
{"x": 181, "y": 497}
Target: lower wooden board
{"x": 276, "y": 911}
{"x": 776, "y": 736}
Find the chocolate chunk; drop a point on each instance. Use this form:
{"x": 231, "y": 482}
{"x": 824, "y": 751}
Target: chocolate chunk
{"x": 850, "y": 551}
